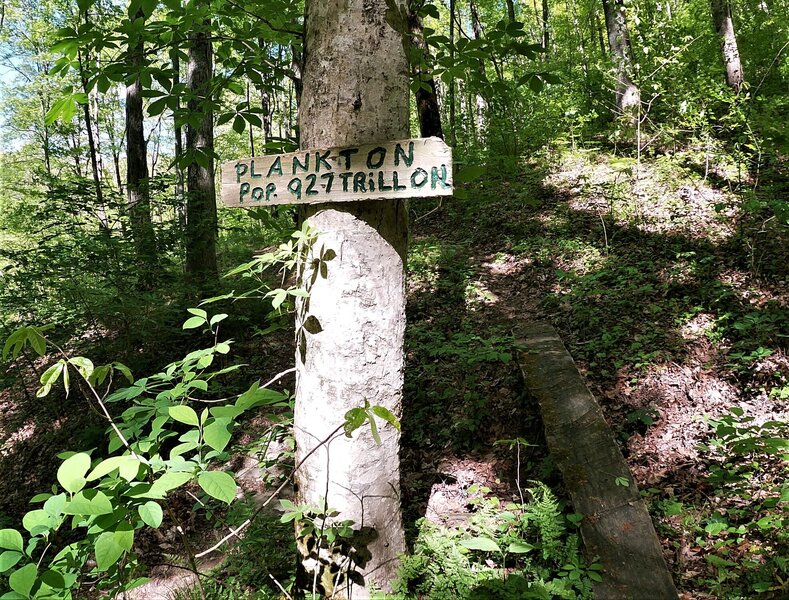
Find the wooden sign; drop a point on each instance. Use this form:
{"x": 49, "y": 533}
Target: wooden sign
{"x": 404, "y": 169}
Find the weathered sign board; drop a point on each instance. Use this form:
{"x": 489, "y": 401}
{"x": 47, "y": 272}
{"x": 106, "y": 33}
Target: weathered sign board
{"x": 413, "y": 168}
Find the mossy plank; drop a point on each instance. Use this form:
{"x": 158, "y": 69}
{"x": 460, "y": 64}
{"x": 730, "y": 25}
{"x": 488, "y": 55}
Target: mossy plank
{"x": 616, "y": 527}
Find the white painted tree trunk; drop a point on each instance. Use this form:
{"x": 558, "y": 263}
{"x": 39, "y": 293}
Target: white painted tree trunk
{"x": 350, "y": 330}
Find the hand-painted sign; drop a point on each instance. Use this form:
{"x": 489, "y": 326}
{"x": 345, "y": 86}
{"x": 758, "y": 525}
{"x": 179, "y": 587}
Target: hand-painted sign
{"x": 403, "y": 169}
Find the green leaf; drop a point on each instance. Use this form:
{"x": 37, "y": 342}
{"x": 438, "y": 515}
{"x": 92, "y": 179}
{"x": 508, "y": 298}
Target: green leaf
{"x": 126, "y": 464}
{"x": 218, "y": 484}
{"x": 53, "y": 579}
{"x": 55, "y": 504}
{"x": 11, "y": 539}
{"x": 84, "y": 365}
{"x": 519, "y": 548}
{"x": 89, "y": 502}
{"x": 111, "y": 545}
{"x": 8, "y": 559}
{"x": 385, "y": 414}
{"x": 217, "y": 318}
{"x": 167, "y": 482}
{"x": 71, "y": 473}
{"x": 151, "y": 514}
{"x": 217, "y": 434}
{"x": 198, "y": 312}
{"x": 193, "y": 322}
{"x": 22, "y": 581}
{"x": 184, "y": 414}
{"x": 38, "y": 522}
{"x": 354, "y": 419}
{"x": 483, "y": 544}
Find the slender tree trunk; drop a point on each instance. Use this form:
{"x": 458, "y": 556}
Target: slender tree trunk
{"x": 480, "y": 105}
{"x": 511, "y": 10}
{"x": 265, "y": 104}
{"x": 94, "y": 164}
{"x": 137, "y": 189}
{"x": 427, "y": 107}
{"x": 355, "y": 92}
{"x": 452, "y": 133}
{"x": 250, "y": 128}
{"x": 724, "y": 26}
{"x": 179, "y": 148}
{"x": 201, "y": 223}
{"x": 628, "y": 96}
{"x": 545, "y": 33}
{"x": 598, "y": 29}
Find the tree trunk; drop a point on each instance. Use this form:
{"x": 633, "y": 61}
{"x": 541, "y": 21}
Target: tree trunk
{"x": 545, "y": 34}
{"x": 480, "y": 105}
{"x": 628, "y": 96}
{"x": 350, "y": 330}
{"x": 426, "y": 99}
{"x": 511, "y": 10}
{"x": 721, "y": 18}
{"x": 179, "y": 148}
{"x": 94, "y": 164}
{"x": 201, "y": 225}
{"x": 137, "y": 189}
{"x": 452, "y": 135}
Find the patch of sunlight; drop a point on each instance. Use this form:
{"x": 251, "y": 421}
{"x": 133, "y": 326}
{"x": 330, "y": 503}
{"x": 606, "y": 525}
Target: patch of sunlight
{"x": 477, "y": 293}
{"x": 25, "y": 432}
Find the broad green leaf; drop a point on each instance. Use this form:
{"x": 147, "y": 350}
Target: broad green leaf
{"x": 184, "y": 414}
{"x": 11, "y": 539}
{"x": 53, "y": 579}
{"x": 198, "y": 312}
{"x": 182, "y": 449}
{"x": 8, "y": 559}
{"x": 226, "y": 412}
{"x": 22, "y": 581}
{"x": 519, "y": 548}
{"x": 84, "y": 365}
{"x": 167, "y": 482}
{"x": 89, "y": 502}
{"x": 108, "y": 465}
{"x": 108, "y": 550}
{"x": 54, "y": 505}
{"x": 218, "y": 484}
{"x": 193, "y": 322}
{"x": 151, "y": 514}
{"x": 217, "y": 318}
{"x": 484, "y": 544}
{"x": 71, "y": 473}
{"x": 217, "y": 434}
{"x": 354, "y": 419}
{"x": 38, "y": 522}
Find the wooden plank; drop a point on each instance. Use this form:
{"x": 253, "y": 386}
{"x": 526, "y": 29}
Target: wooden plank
{"x": 616, "y": 526}
{"x": 420, "y": 167}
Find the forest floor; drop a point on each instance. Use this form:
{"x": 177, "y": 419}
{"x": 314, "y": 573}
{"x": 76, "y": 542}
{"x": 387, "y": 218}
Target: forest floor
{"x": 674, "y": 304}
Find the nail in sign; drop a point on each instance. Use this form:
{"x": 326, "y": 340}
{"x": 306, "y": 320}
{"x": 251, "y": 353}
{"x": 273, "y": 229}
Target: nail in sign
{"x": 413, "y": 168}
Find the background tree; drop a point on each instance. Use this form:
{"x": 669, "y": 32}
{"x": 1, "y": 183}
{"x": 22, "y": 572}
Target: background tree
{"x": 627, "y": 95}
{"x": 724, "y": 26}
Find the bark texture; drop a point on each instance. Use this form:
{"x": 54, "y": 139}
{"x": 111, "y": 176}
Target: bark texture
{"x": 628, "y": 96}
{"x": 350, "y": 330}
{"x": 201, "y": 224}
{"x": 721, "y": 18}
{"x": 616, "y": 527}
{"x": 137, "y": 189}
